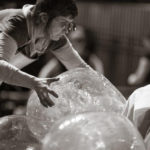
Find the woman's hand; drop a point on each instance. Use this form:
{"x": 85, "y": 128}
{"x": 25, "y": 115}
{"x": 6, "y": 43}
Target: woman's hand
{"x": 12, "y": 75}
{"x": 41, "y": 86}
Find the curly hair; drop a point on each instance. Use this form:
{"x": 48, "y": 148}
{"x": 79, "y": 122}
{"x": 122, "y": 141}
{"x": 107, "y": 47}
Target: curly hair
{"x": 56, "y": 8}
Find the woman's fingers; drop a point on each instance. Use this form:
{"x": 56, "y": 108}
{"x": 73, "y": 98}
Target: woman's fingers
{"x": 43, "y": 102}
{"x": 48, "y": 100}
{"x": 52, "y": 93}
{"x": 45, "y": 99}
{"x": 50, "y": 80}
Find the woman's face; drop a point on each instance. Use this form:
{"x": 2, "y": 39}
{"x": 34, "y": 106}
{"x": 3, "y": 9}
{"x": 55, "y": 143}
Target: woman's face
{"x": 59, "y": 26}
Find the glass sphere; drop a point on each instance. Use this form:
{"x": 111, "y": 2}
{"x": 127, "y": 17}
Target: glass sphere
{"x": 15, "y": 134}
{"x": 93, "y": 131}
{"x": 80, "y": 90}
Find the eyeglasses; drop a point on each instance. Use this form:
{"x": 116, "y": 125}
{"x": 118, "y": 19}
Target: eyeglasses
{"x": 70, "y": 27}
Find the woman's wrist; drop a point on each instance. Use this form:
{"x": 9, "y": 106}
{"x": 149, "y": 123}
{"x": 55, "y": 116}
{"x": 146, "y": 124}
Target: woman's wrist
{"x": 34, "y": 82}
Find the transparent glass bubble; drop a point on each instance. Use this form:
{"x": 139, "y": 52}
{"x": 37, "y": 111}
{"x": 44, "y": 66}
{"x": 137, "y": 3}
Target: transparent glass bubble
{"x": 93, "y": 131}
{"x": 79, "y": 90}
{"x": 15, "y": 134}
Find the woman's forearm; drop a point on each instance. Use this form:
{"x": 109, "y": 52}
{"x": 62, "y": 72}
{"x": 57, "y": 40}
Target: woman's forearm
{"x": 69, "y": 57}
{"x": 12, "y": 75}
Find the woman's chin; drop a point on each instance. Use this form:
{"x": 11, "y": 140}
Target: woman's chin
{"x": 56, "y": 38}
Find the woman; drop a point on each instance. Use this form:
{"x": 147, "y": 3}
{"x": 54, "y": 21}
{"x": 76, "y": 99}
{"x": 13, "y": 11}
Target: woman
{"x": 32, "y": 31}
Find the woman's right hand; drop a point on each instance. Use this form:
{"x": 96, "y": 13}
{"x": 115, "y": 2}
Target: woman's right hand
{"x": 41, "y": 86}
{"x": 12, "y": 75}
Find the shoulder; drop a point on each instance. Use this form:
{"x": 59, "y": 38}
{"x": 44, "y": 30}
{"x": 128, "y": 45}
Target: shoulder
{"x": 14, "y": 24}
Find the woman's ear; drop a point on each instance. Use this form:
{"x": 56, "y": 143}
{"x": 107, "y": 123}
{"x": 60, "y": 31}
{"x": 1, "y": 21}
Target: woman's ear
{"x": 43, "y": 17}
